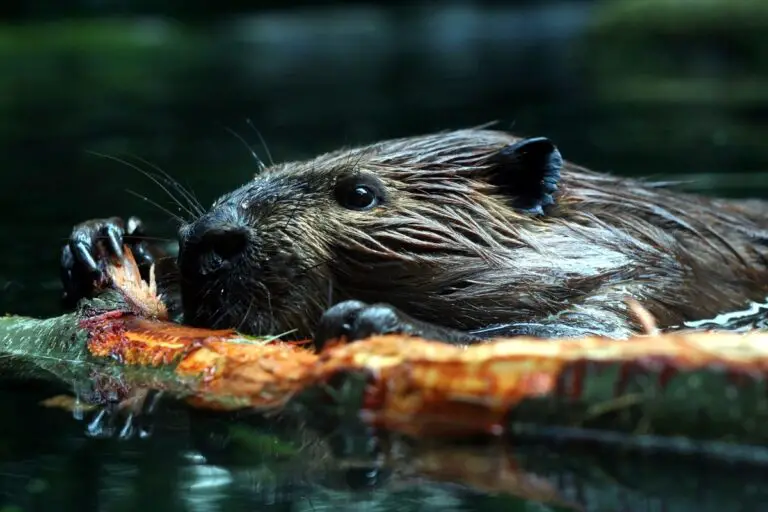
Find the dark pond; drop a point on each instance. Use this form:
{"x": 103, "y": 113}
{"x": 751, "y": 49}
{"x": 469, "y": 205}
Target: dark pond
{"x": 676, "y": 90}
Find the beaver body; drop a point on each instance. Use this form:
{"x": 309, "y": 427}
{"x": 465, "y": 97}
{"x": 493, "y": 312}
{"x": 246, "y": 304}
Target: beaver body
{"x": 458, "y": 236}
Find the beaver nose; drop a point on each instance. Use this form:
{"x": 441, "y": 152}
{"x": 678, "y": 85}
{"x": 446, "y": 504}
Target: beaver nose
{"x": 227, "y": 242}
{"x": 214, "y": 248}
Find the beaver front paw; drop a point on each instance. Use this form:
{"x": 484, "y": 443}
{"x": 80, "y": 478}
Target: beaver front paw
{"x": 90, "y": 247}
{"x": 354, "y": 320}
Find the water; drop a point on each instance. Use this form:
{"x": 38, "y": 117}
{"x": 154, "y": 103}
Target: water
{"x": 618, "y": 92}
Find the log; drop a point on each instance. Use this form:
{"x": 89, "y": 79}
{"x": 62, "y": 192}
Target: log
{"x": 706, "y": 386}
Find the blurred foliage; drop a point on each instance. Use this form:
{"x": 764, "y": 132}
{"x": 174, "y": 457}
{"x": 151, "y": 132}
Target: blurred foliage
{"x": 686, "y": 51}
{"x": 691, "y": 79}
{"x": 189, "y": 10}
{"x": 86, "y": 72}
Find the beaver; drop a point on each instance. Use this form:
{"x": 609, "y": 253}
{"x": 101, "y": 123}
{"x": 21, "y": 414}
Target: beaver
{"x": 457, "y": 236}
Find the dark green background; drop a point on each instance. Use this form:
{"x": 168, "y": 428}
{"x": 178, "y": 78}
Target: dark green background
{"x": 654, "y": 87}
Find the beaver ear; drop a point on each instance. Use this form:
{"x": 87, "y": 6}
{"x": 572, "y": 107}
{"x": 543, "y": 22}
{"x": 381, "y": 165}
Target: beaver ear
{"x": 528, "y": 171}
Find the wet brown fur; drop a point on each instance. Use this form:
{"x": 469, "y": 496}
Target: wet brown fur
{"x": 446, "y": 247}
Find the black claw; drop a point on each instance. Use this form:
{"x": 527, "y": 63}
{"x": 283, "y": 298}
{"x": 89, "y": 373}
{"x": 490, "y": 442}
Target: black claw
{"x": 90, "y": 245}
{"x": 142, "y": 256}
{"x": 115, "y": 236}
{"x": 83, "y": 252}
{"x": 134, "y": 233}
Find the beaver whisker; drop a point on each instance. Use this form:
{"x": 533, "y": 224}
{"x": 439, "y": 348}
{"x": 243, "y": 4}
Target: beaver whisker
{"x": 348, "y": 159}
{"x": 221, "y": 314}
{"x": 144, "y": 198}
{"x": 246, "y": 315}
{"x": 268, "y": 296}
{"x": 156, "y": 181}
{"x": 263, "y": 142}
{"x": 192, "y": 200}
{"x": 239, "y": 137}
{"x": 159, "y": 239}
{"x": 234, "y": 308}
{"x": 212, "y": 287}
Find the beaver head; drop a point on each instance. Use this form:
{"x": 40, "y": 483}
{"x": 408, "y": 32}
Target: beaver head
{"x": 423, "y": 223}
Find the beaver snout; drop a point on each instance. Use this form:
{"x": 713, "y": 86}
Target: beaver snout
{"x": 209, "y": 246}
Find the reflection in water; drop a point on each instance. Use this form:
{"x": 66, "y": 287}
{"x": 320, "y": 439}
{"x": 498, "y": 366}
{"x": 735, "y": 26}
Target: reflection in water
{"x": 216, "y": 464}
{"x": 204, "y": 487}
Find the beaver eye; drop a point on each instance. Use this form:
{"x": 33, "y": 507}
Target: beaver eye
{"x": 358, "y": 194}
{"x": 361, "y": 198}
